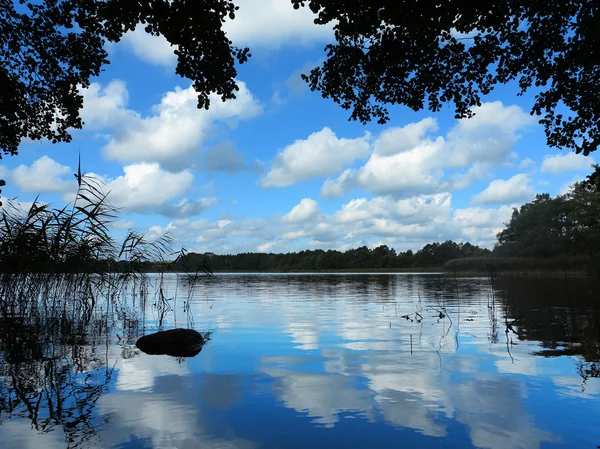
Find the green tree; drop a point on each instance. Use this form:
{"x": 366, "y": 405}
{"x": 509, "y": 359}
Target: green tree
{"x": 546, "y": 227}
{"x": 537, "y": 229}
{"x": 423, "y": 54}
{"x": 584, "y": 202}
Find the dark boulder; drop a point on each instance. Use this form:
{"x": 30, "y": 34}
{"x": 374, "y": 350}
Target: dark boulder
{"x": 174, "y": 342}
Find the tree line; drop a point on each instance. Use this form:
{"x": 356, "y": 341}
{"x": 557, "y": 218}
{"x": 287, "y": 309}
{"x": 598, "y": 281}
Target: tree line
{"x": 363, "y": 258}
{"x": 560, "y": 233}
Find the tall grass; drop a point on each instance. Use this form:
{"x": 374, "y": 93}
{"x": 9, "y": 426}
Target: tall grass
{"x": 52, "y": 257}
{"x": 68, "y": 288}
{"x": 72, "y": 239}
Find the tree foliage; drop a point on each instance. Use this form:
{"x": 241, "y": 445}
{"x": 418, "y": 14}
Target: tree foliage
{"x": 363, "y": 258}
{"x": 52, "y": 48}
{"x": 423, "y": 54}
{"x": 547, "y": 227}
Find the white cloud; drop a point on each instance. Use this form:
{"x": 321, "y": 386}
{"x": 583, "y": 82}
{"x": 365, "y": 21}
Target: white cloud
{"x": 480, "y": 225}
{"x": 478, "y": 217}
{"x": 411, "y": 160}
{"x": 399, "y": 140}
{"x": 307, "y": 208}
{"x": 266, "y": 247}
{"x": 260, "y": 24}
{"x": 224, "y": 157}
{"x": 45, "y": 175}
{"x": 500, "y": 191}
{"x": 146, "y": 187}
{"x": 172, "y": 134}
{"x": 567, "y": 162}
{"x": 321, "y": 154}
{"x": 187, "y": 207}
{"x": 401, "y": 224}
{"x": 155, "y": 50}
{"x": 527, "y": 163}
{"x": 333, "y": 188}
{"x": 270, "y": 24}
{"x": 409, "y": 211}
{"x": 105, "y": 107}
{"x": 122, "y": 224}
{"x": 488, "y": 136}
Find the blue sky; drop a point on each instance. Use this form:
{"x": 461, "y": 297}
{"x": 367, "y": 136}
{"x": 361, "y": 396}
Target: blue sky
{"x": 282, "y": 169}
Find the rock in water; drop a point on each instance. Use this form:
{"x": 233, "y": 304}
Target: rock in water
{"x": 174, "y": 342}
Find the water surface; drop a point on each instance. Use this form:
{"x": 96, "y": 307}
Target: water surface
{"x": 319, "y": 361}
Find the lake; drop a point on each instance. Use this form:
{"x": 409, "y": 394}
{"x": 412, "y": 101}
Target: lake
{"x": 313, "y": 361}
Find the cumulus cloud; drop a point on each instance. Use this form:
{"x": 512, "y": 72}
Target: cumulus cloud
{"x": 105, "y": 107}
{"x": 420, "y": 209}
{"x": 142, "y": 188}
{"x": 122, "y": 224}
{"x": 224, "y": 157}
{"x": 147, "y": 188}
{"x": 187, "y": 207}
{"x": 172, "y": 134}
{"x": 263, "y": 25}
{"x": 270, "y": 24}
{"x": 489, "y": 136}
{"x": 481, "y": 225}
{"x": 45, "y": 175}
{"x": 307, "y": 208}
{"x": 154, "y": 50}
{"x": 562, "y": 163}
{"x": 321, "y": 154}
{"x": 413, "y": 160}
{"x": 146, "y": 184}
{"x": 402, "y": 224}
{"x": 500, "y": 191}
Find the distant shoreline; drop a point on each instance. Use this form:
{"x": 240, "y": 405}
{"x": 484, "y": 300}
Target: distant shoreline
{"x": 428, "y": 270}
{"x": 439, "y": 270}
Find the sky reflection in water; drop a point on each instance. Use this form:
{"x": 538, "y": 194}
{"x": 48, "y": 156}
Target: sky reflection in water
{"x": 325, "y": 361}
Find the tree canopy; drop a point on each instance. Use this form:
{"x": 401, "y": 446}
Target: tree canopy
{"x": 51, "y": 48}
{"x": 423, "y": 54}
{"x": 363, "y": 258}
{"x": 547, "y": 227}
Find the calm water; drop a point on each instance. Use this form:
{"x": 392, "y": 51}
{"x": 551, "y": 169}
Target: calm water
{"x": 317, "y": 361}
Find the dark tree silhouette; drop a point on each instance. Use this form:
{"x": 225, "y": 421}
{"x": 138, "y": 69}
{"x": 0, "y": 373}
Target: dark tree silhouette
{"x": 566, "y": 225}
{"x": 50, "y": 48}
{"x": 363, "y": 258}
{"x": 427, "y": 53}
